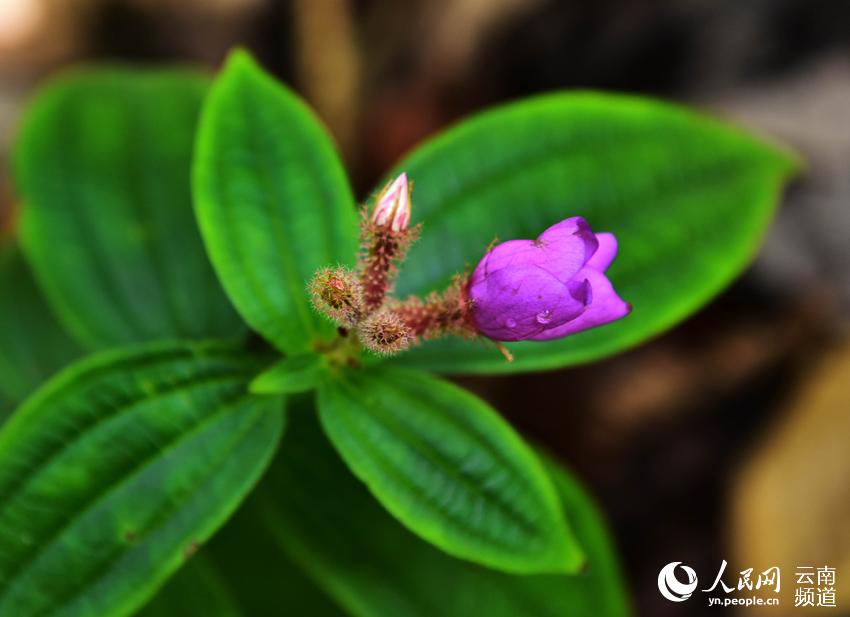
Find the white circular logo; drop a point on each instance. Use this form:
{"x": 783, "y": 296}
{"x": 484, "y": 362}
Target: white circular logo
{"x": 671, "y": 587}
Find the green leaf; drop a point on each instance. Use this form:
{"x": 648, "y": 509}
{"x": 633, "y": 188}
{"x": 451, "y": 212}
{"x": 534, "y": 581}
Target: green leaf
{"x": 293, "y": 374}
{"x": 449, "y": 467}
{"x": 374, "y": 567}
{"x": 6, "y": 407}
{"x": 118, "y": 468}
{"x": 272, "y": 200}
{"x": 688, "y": 197}
{"x": 241, "y": 573}
{"x": 260, "y": 576}
{"x": 32, "y": 344}
{"x": 197, "y": 589}
{"x": 102, "y": 166}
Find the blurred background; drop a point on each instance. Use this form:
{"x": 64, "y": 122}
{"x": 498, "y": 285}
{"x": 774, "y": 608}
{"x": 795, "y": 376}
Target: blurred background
{"x": 726, "y": 438}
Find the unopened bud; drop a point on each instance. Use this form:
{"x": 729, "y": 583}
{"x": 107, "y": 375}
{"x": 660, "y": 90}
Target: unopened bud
{"x": 393, "y": 208}
{"x": 385, "y": 333}
{"x": 336, "y": 292}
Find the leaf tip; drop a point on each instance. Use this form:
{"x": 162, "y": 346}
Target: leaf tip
{"x": 563, "y": 554}
{"x": 239, "y": 57}
{"x": 241, "y": 63}
{"x": 788, "y": 162}
{"x": 572, "y": 559}
{"x": 259, "y": 385}
{"x": 793, "y": 163}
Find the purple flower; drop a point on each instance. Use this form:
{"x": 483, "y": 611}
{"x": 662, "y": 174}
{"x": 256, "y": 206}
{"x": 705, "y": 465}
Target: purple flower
{"x": 546, "y": 288}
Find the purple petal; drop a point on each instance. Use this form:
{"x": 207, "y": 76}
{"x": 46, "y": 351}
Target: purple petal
{"x": 562, "y": 250}
{"x": 508, "y": 254}
{"x": 606, "y": 306}
{"x": 573, "y": 240}
{"x": 605, "y": 254}
{"x": 517, "y": 303}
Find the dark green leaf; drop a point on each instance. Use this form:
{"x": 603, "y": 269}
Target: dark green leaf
{"x": 102, "y": 166}
{"x": 689, "y": 199}
{"x": 118, "y": 468}
{"x": 241, "y": 573}
{"x": 272, "y": 200}
{"x": 447, "y": 466}
{"x": 374, "y": 567}
{"x": 263, "y": 578}
{"x": 32, "y": 344}
{"x": 197, "y": 590}
{"x": 297, "y": 373}
{"x": 6, "y": 407}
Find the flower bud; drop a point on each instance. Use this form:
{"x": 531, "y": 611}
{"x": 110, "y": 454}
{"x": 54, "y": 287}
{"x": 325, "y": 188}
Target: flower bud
{"x": 336, "y": 292}
{"x": 546, "y": 288}
{"x": 385, "y": 238}
{"x": 384, "y": 333}
{"x": 393, "y": 208}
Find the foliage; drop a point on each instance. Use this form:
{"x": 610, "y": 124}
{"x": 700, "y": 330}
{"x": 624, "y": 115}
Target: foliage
{"x": 119, "y": 468}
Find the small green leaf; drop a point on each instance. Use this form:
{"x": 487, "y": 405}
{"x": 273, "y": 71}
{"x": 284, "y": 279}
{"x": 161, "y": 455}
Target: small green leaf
{"x": 102, "y": 167}
{"x": 273, "y": 201}
{"x": 32, "y": 344}
{"x": 293, "y": 374}
{"x": 447, "y": 466}
{"x": 374, "y": 567}
{"x": 115, "y": 471}
{"x": 688, "y": 197}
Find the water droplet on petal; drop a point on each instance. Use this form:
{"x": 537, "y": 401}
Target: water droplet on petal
{"x": 544, "y": 317}
{"x": 510, "y": 323}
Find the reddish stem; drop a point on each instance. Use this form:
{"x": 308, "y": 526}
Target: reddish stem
{"x": 441, "y": 314}
{"x": 382, "y": 250}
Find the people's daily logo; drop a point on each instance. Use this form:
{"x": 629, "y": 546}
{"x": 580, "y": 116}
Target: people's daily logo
{"x": 671, "y": 587}
{"x": 677, "y": 582}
